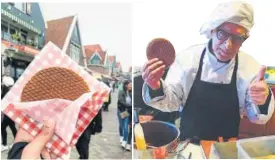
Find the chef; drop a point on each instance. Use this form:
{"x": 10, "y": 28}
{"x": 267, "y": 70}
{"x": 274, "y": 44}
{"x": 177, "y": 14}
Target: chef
{"x": 216, "y": 83}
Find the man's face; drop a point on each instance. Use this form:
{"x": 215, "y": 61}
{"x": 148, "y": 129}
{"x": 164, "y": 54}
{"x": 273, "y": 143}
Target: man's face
{"x": 227, "y": 40}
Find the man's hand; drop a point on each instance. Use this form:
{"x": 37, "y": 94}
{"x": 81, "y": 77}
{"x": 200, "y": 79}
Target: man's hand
{"x": 258, "y": 89}
{"x": 36, "y": 146}
{"x": 152, "y": 72}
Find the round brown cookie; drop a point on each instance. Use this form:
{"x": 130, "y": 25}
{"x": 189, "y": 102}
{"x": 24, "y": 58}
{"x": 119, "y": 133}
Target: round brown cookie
{"x": 54, "y": 82}
{"x": 162, "y": 49}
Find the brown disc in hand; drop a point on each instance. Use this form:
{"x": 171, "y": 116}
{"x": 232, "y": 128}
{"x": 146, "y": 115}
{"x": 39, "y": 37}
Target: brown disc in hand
{"x": 54, "y": 82}
{"x": 162, "y": 49}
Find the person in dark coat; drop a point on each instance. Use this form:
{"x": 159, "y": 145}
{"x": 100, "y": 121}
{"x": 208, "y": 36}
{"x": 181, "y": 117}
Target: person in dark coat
{"x": 82, "y": 145}
{"x": 124, "y": 106}
{"x": 7, "y": 83}
{"x": 107, "y": 103}
{"x": 129, "y": 141}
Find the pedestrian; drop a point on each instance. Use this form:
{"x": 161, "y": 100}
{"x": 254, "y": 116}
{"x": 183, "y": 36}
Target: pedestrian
{"x": 114, "y": 85}
{"x": 214, "y": 82}
{"x": 7, "y": 83}
{"x": 82, "y": 145}
{"x": 129, "y": 141}
{"x": 108, "y": 101}
{"x": 124, "y": 104}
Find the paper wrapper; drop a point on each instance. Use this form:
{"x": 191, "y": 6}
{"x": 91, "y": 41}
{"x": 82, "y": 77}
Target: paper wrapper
{"x": 72, "y": 117}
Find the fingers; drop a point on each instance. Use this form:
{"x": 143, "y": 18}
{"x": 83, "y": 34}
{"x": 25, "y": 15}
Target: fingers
{"x": 149, "y": 63}
{"x": 257, "y": 87}
{"x": 258, "y": 101}
{"x": 23, "y": 136}
{"x": 261, "y": 74}
{"x": 149, "y": 68}
{"x": 33, "y": 149}
{"x": 157, "y": 73}
{"x": 152, "y": 72}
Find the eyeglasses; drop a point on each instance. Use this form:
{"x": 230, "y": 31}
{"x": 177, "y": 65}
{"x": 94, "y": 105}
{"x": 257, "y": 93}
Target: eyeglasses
{"x": 223, "y": 35}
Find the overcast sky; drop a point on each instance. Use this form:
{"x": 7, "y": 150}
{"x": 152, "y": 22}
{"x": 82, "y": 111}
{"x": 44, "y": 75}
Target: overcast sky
{"x": 107, "y": 24}
{"x": 180, "y": 22}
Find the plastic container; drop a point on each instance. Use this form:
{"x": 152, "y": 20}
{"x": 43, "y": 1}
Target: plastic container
{"x": 258, "y": 147}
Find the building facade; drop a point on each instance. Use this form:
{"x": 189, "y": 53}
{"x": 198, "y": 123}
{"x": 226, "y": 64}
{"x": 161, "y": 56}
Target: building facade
{"x": 22, "y": 36}
{"x": 65, "y": 33}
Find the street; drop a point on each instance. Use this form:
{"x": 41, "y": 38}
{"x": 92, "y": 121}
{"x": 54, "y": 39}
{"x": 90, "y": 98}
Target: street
{"x": 105, "y": 145}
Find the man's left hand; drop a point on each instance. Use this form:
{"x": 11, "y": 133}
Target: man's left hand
{"x": 258, "y": 89}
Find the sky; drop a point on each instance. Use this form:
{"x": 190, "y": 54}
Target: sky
{"x": 107, "y": 24}
{"x": 180, "y": 22}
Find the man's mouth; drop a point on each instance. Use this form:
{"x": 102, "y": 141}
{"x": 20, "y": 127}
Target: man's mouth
{"x": 225, "y": 52}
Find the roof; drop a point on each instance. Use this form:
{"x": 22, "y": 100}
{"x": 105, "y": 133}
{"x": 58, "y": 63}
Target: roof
{"x": 57, "y": 30}
{"x": 118, "y": 65}
{"x": 111, "y": 59}
{"x": 91, "y": 49}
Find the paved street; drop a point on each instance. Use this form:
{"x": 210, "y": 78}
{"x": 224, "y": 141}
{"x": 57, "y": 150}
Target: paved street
{"x": 104, "y": 145}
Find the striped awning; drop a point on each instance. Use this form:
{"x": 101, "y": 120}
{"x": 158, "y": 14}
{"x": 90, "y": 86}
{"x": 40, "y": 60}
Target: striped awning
{"x": 20, "y": 21}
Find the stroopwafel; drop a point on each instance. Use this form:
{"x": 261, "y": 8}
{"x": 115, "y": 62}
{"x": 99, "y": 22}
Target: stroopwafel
{"x": 54, "y": 82}
{"x": 162, "y": 49}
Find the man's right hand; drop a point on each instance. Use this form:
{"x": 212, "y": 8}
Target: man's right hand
{"x": 152, "y": 72}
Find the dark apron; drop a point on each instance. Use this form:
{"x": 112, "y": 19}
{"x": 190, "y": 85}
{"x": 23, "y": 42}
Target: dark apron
{"x": 212, "y": 109}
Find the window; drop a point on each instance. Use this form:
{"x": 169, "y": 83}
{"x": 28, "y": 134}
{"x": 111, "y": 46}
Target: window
{"x": 4, "y": 26}
{"x": 4, "y": 32}
{"x": 95, "y": 60}
{"x": 19, "y": 72}
{"x": 28, "y": 8}
{"x": 20, "y": 6}
{"x": 23, "y": 7}
{"x": 14, "y": 34}
{"x": 24, "y": 34}
{"x": 75, "y": 52}
{"x": 75, "y": 36}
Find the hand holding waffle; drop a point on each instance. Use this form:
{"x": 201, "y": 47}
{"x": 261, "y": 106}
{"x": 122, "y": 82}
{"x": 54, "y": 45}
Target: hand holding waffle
{"x": 161, "y": 54}
{"x": 37, "y": 146}
{"x": 152, "y": 72}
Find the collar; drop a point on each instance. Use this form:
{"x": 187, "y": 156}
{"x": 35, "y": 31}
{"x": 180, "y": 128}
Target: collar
{"x": 211, "y": 58}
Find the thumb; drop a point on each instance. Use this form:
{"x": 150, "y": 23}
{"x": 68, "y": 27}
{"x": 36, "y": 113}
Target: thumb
{"x": 35, "y": 147}
{"x": 261, "y": 74}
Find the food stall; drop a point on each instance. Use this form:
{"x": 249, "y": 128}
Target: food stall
{"x": 254, "y": 141}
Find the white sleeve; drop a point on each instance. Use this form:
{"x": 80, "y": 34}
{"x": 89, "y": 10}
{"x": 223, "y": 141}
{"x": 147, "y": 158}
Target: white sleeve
{"x": 172, "y": 89}
{"x": 254, "y": 114}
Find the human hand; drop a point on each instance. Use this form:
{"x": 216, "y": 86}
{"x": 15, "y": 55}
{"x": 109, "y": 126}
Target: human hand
{"x": 152, "y": 72}
{"x": 258, "y": 89}
{"x": 36, "y": 146}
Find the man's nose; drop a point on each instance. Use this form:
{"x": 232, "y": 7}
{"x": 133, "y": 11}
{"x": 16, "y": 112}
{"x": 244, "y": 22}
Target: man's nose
{"x": 228, "y": 43}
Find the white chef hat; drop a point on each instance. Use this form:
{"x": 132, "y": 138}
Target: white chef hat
{"x": 238, "y": 12}
{"x": 7, "y": 81}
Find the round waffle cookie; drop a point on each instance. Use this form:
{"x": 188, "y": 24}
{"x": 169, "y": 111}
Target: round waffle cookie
{"x": 162, "y": 49}
{"x": 54, "y": 82}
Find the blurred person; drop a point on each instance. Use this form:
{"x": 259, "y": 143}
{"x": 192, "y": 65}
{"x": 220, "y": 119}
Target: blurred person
{"x": 124, "y": 106}
{"x": 7, "y": 83}
{"x": 82, "y": 145}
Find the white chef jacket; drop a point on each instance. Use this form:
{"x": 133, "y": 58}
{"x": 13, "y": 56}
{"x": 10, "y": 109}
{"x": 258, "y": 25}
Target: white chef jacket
{"x": 182, "y": 73}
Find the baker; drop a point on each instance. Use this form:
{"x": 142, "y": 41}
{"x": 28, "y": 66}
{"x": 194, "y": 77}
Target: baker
{"x": 216, "y": 83}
